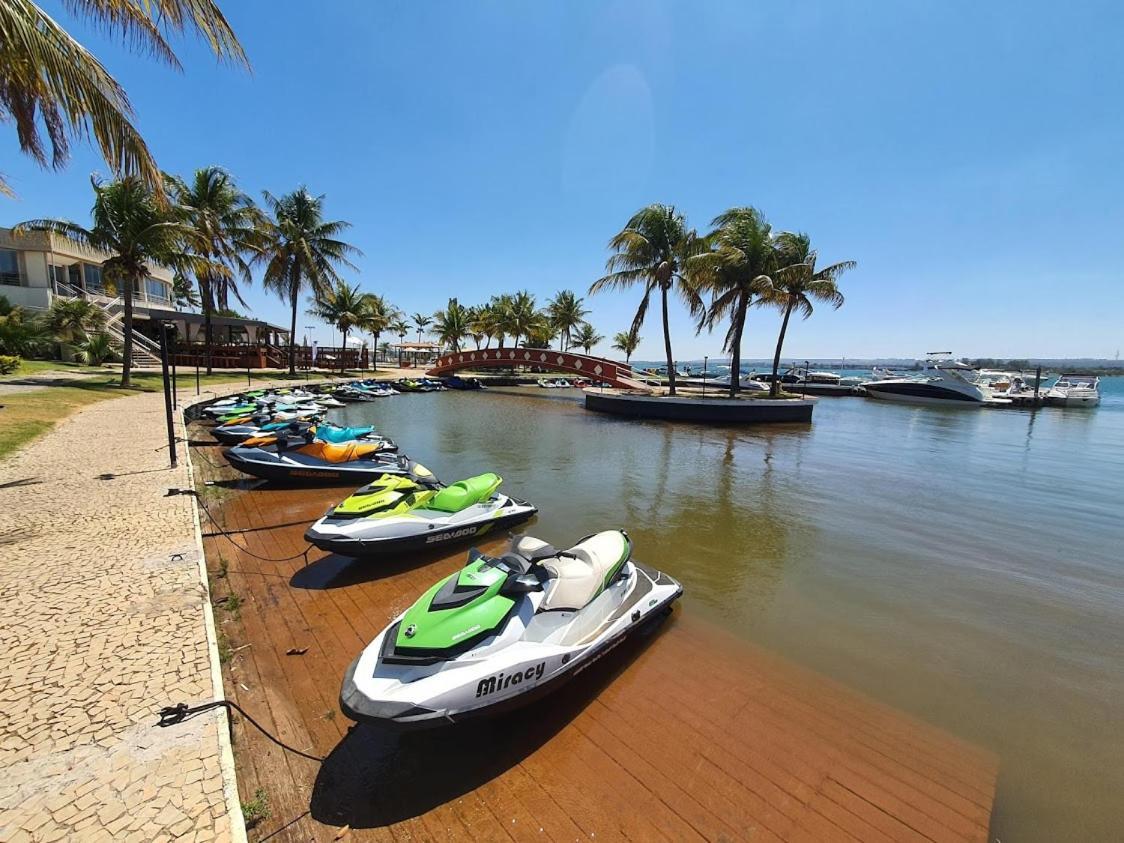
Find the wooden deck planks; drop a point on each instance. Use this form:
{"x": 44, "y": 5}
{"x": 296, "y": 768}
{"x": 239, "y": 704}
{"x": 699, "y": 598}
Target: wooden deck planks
{"x": 692, "y": 734}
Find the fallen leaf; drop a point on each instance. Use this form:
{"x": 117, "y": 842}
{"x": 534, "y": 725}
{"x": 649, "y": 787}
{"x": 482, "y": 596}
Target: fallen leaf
{"x": 342, "y": 833}
{"x": 297, "y": 651}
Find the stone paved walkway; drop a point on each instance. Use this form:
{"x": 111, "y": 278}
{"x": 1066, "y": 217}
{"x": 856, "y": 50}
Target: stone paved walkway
{"x": 103, "y": 620}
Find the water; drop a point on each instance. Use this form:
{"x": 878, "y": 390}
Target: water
{"x": 963, "y": 565}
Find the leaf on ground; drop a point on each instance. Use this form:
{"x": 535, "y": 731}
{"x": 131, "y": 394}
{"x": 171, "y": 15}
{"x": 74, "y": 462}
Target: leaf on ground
{"x": 342, "y": 833}
{"x": 296, "y": 651}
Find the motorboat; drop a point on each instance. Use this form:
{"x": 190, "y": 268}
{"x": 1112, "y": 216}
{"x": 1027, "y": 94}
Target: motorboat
{"x": 1074, "y": 390}
{"x": 403, "y": 513}
{"x": 504, "y": 630}
{"x": 941, "y": 381}
{"x": 747, "y": 382}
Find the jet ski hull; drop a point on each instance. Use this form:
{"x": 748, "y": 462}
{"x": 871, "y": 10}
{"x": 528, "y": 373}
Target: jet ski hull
{"x": 434, "y": 535}
{"x": 514, "y": 678}
{"x": 289, "y": 470}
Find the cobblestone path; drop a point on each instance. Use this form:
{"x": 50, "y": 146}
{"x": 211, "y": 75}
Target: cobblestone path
{"x": 103, "y": 620}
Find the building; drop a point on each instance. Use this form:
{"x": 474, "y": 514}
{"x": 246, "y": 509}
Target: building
{"x": 39, "y": 267}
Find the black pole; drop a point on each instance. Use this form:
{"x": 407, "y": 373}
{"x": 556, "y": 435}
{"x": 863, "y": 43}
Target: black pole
{"x": 806, "y": 367}
{"x": 248, "y": 370}
{"x": 175, "y": 387}
{"x": 1037, "y": 381}
{"x": 705, "y": 360}
{"x": 167, "y": 392}
{"x": 196, "y": 374}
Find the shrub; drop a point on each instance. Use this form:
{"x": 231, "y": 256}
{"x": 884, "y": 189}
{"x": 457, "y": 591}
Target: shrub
{"x": 8, "y": 364}
{"x": 95, "y": 349}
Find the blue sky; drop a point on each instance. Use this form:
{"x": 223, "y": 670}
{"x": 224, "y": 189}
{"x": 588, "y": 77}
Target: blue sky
{"x": 967, "y": 155}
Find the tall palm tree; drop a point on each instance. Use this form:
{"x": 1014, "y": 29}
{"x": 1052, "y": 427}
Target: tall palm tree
{"x": 136, "y": 229}
{"x": 483, "y": 324}
{"x": 400, "y": 327}
{"x": 566, "y": 312}
{"x": 587, "y": 337}
{"x": 343, "y": 307}
{"x": 377, "y": 318}
{"x": 627, "y": 343}
{"x": 735, "y": 269}
{"x": 500, "y": 307}
{"x": 300, "y": 251}
{"x": 421, "y": 322}
{"x": 521, "y": 316}
{"x": 652, "y": 250}
{"x": 451, "y": 324}
{"x": 224, "y": 228}
{"x": 797, "y": 283}
{"x": 49, "y": 80}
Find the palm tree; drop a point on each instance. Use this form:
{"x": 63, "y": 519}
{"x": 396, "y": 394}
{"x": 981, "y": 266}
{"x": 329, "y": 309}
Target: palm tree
{"x": 652, "y": 249}
{"x": 521, "y": 316}
{"x": 183, "y": 292}
{"x": 224, "y": 227}
{"x": 71, "y": 320}
{"x": 49, "y": 80}
{"x": 797, "y": 283}
{"x": 735, "y": 269}
{"x": 566, "y": 312}
{"x": 343, "y": 307}
{"x": 626, "y": 342}
{"x": 400, "y": 327}
{"x": 376, "y": 319}
{"x": 587, "y": 337}
{"x": 500, "y": 316}
{"x": 421, "y": 322}
{"x": 22, "y": 334}
{"x": 300, "y": 251}
{"x": 136, "y": 229}
{"x": 451, "y": 324}
{"x": 94, "y": 349}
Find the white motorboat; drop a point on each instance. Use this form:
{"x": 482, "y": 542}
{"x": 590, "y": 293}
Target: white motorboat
{"x": 941, "y": 381}
{"x": 1075, "y": 390}
{"x": 747, "y": 382}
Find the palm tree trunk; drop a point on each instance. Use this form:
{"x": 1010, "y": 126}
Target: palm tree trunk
{"x": 775, "y": 386}
{"x": 736, "y": 346}
{"x": 667, "y": 343}
{"x": 208, "y": 329}
{"x": 127, "y": 351}
{"x": 294, "y": 291}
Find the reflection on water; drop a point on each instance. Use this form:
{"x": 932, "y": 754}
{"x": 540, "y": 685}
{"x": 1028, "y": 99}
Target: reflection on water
{"x": 960, "y": 564}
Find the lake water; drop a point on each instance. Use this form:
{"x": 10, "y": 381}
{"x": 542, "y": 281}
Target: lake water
{"x": 963, "y": 565}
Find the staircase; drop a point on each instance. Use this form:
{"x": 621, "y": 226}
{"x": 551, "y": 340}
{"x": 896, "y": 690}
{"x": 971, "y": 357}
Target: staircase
{"x": 146, "y": 352}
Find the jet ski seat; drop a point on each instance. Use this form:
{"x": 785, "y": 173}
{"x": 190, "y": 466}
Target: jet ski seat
{"x": 583, "y": 571}
{"x": 339, "y": 452}
{"x": 465, "y": 493}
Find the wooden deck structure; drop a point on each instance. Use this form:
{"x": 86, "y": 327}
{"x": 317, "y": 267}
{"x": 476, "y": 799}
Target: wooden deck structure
{"x": 689, "y": 734}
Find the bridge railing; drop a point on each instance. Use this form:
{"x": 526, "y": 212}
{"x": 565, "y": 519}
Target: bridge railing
{"x": 583, "y": 365}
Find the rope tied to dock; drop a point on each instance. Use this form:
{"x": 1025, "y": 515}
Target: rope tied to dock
{"x": 230, "y": 538}
{"x": 170, "y": 715}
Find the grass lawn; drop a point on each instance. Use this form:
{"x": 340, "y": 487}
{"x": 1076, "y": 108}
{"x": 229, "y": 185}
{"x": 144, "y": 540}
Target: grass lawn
{"x": 26, "y": 415}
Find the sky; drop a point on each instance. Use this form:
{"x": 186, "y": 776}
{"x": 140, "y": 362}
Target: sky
{"x": 967, "y": 155}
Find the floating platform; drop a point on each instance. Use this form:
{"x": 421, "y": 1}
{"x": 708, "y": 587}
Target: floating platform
{"x": 689, "y": 734}
{"x": 705, "y": 410}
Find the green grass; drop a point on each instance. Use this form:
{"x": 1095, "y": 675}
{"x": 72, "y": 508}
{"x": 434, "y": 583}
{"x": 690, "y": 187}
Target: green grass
{"x": 257, "y": 809}
{"x": 38, "y": 367}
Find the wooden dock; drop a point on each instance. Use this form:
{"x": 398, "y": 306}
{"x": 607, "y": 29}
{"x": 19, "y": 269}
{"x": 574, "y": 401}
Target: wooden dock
{"x": 689, "y": 734}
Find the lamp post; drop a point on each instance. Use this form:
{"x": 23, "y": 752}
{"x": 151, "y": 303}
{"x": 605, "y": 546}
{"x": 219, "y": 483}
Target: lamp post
{"x": 705, "y": 359}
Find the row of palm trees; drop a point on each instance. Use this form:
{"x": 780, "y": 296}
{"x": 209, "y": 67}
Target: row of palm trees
{"x": 515, "y": 317}
{"x": 210, "y": 233}
{"x": 740, "y": 263}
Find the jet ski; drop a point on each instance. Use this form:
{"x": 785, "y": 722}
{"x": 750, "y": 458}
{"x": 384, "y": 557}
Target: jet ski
{"x": 405, "y": 515}
{"x": 457, "y": 382}
{"x": 504, "y": 630}
{"x": 243, "y": 428}
{"x": 295, "y": 459}
{"x": 322, "y": 432}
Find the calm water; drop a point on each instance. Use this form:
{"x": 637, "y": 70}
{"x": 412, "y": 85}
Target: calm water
{"x": 964, "y": 565}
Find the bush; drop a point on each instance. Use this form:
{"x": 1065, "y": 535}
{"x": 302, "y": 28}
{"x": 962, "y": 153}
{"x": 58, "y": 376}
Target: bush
{"x": 95, "y": 349}
{"x": 8, "y": 364}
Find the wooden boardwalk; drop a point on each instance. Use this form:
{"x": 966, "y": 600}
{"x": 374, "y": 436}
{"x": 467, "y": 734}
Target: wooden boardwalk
{"x": 690, "y": 734}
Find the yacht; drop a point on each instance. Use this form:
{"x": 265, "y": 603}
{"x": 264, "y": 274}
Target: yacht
{"x": 1075, "y": 390}
{"x": 747, "y": 382}
{"x": 941, "y": 380}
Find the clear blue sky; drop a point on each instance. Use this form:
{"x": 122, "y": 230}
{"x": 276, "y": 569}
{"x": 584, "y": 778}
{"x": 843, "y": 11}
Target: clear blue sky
{"x": 967, "y": 155}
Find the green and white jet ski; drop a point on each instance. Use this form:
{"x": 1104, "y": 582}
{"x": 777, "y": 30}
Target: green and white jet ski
{"x": 399, "y": 514}
{"x": 502, "y": 631}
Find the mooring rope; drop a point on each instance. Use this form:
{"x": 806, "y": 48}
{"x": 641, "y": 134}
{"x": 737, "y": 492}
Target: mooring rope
{"x": 170, "y": 715}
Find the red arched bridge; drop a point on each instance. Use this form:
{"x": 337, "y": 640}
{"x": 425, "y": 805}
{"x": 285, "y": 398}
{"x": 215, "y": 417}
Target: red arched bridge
{"x": 580, "y": 365}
